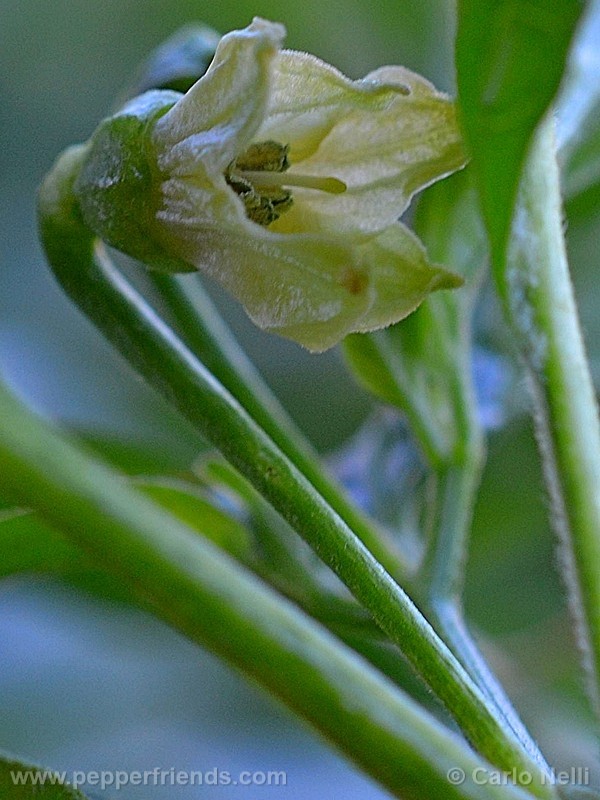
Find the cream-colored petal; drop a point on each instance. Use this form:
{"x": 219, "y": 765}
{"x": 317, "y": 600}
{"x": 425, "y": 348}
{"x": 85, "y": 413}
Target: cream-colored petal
{"x": 309, "y": 288}
{"x": 333, "y": 264}
{"x": 282, "y": 281}
{"x": 393, "y": 269}
{"x": 401, "y": 276}
{"x": 384, "y": 143}
{"x": 218, "y": 116}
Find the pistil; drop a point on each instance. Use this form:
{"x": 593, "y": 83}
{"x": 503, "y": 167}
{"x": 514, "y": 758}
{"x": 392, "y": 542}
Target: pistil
{"x": 268, "y": 179}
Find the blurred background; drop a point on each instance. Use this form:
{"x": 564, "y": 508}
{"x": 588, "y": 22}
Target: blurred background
{"x": 86, "y": 685}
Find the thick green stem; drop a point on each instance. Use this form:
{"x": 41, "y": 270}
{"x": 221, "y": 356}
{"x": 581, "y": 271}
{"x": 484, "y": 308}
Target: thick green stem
{"x": 133, "y": 327}
{"x": 205, "y": 333}
{"x": 539, "y": 298}
{"x": 203, "y": 593}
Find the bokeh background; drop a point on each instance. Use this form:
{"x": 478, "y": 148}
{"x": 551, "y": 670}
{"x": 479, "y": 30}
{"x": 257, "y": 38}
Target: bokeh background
{"x": 88, "y": 685}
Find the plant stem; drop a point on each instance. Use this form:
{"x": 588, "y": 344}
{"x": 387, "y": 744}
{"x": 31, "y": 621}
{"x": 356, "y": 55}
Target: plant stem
{"x": 203, "y": 593}
{"x": 444, "y": 564}
{"x": 443, "y": 570}
{"x": 539, "y": 298}
{"x": 458, "y": 474}
{"x": 87, "y": 274}
{"x": 207, "y": 336}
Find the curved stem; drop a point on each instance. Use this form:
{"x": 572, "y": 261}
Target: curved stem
{"x": 202, "y": 592}
{"x": 442, "y": 582}
{"x": 441, "y": 576}
{"x": 89, "y": 277}
{"x": 540, "y": 302}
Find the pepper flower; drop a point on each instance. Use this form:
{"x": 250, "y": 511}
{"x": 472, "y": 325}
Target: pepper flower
{"x": 284, "y": 180}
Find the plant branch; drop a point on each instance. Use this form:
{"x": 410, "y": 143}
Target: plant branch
{"x": 539, "y": 298}
{"x": 442, "y": 572}
{"x": 207, "y": 336}
{"x": 203, "y": 593}
{"x": 86, "y": 273}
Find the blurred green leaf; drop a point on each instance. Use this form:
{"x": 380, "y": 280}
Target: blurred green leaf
{"x": 511, "y": 581}
{"x": 408, "y": 366}
{"x": 137, "y": 457}
{"x": 52, "y": 788}
{"x": 188, "y": 503}
{"x": 28, "y": 545}
{"x": 448, "y": 220}
{"x": 582, "y": 169}
{"x": 510, "y": 57}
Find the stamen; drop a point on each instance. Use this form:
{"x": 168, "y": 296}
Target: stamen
{"x": 266, "y": 179}
{"x": 260, "y": 179}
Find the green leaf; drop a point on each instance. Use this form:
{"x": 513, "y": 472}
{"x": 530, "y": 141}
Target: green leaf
{"x": 510, "y": 57}
{"x": 578, "y": 113}
{"x": 389, "y": 363}
{"x": 188, "y": 503}
{"x": 28, "y": 545}
{"x": 582, "y": 170}
{"x": 38, "y": 783}
{"x": 135, "y": 457}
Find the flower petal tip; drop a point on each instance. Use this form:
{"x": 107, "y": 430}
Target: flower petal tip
{"x": 449, "y": 280}
{"x": 274, "y": 32}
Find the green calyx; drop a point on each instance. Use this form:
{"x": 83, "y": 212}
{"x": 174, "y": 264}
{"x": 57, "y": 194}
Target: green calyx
{"x": 117, "y": 187}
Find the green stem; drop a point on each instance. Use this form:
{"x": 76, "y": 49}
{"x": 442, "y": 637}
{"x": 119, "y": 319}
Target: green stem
{"x": 448, "y": 619}
{"x": 89, "y": 277}
{"x": 440, "y": 579}
{"x": 443, "y": 568}
{"x": 539, "y": 298}
{"x": 207, "y": 336}
{"x": 204, "y": 594}
{"x": 442, "y": 576}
